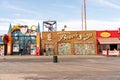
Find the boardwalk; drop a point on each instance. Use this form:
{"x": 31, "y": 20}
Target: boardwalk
{"x": 67, "y": 68}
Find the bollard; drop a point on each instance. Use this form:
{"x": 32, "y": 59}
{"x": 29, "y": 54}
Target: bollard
{"x": 55, "y": 59}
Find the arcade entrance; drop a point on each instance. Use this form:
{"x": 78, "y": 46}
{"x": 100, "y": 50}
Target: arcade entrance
{"x": 24, "y": 45}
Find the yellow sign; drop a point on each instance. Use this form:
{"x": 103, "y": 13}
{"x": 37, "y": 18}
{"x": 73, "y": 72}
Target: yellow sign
{"x": 105, "y": 34}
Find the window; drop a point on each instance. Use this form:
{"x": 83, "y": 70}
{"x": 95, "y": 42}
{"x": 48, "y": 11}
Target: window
{"x": 113, "y": 46}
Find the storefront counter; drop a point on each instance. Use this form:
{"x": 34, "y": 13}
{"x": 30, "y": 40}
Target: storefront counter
{"x": 111, "y": 52}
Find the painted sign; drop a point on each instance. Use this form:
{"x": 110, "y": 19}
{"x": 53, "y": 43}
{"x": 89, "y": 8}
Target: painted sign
{"x": 69, "y": 36}
{"x": 105, "y": 34}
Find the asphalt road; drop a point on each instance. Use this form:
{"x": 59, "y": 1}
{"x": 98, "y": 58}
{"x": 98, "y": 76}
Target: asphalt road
{"x": 67, "y": 68}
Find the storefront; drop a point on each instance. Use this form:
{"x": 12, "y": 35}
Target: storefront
{"x": 2, "y": 47}
{"x": 69, "y": 42}
{"x": 23, "y": 40}
{"x": 108, "y": 42}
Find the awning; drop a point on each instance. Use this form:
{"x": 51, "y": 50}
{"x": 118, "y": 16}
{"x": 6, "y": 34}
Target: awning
{"x": 109, "y": 40}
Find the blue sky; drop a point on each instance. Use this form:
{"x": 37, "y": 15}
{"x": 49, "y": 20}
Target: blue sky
{"x": 101, "y": 14}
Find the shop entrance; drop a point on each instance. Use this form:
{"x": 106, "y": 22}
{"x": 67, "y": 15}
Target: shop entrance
{"x": 24, "y": 45}
{"x": 113, "y": 46}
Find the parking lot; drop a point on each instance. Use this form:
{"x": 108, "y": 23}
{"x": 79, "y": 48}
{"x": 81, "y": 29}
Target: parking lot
{"x": 72, "y": 67}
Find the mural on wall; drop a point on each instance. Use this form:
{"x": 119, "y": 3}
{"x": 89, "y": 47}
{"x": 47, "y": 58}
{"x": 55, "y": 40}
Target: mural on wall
{"x": 49, "y": 47}
{"x": 64, "y": 48}
{"x": 2, "y": 50}
{"x": 16, "y": 47}
{"x": 90, "y": 49}
{"x": 86, "y": 48}
{"x": 1, "y": 38}
{"x": 22, "y": 38}
{"x": 78, "y": 48}
{"x": 2, "y": 46}
{"x": 24, "y": 29}
{"x": 71, "y": 42}
{"x": 33, "y": 48}
{"x": 49, "y": 37}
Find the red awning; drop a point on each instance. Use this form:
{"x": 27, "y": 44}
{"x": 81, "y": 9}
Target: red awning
{"x": 109, "y": 40}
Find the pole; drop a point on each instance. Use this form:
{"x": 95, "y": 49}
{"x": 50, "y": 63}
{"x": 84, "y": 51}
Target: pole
{"x": 107, "y": 53}
{"x": 85, "y": 14}
{"x": 82, "y": 17}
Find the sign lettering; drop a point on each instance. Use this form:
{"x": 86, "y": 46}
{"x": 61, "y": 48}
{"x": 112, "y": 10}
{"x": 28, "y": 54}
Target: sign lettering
{"x": 76, "y": 35}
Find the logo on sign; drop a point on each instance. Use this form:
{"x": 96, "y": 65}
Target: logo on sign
{"x": 105, "y": 34}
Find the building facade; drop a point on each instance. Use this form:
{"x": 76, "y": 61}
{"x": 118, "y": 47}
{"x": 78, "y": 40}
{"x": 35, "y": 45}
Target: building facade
{"x": 69, "y": 42}
{"x": 23, "y": 40}
{"x": 2, "y": 46}
{"x": 108, "y": 42}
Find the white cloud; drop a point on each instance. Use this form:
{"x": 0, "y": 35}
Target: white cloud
{"x": 25, "y": 21}
{"x": 63, "y": 6}
{"x": 17, "y": 14}
{"x": 91, "y": 25}
{"x": 4, "y": 26}
{"x": 8, "y": 5}
{"x": 72, "y": 25}
{"x": 2, "y": 32}
{"x": 108, "y": 3}
{"x": 4, "y": 20}
{"x": 103, "y": 25}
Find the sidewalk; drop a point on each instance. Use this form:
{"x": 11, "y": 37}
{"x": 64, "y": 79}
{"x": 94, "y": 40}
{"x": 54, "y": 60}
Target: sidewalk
{"x": 59, "y": 56}
{"x": 69, "y": 67}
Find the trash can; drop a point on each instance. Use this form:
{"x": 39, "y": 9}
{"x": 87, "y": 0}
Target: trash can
{"x": 55, "y": 59}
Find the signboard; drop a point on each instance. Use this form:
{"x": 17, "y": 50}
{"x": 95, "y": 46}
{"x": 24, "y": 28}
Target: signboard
{"x": 105, "y": 34}
{"x": 111, "y": 53}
